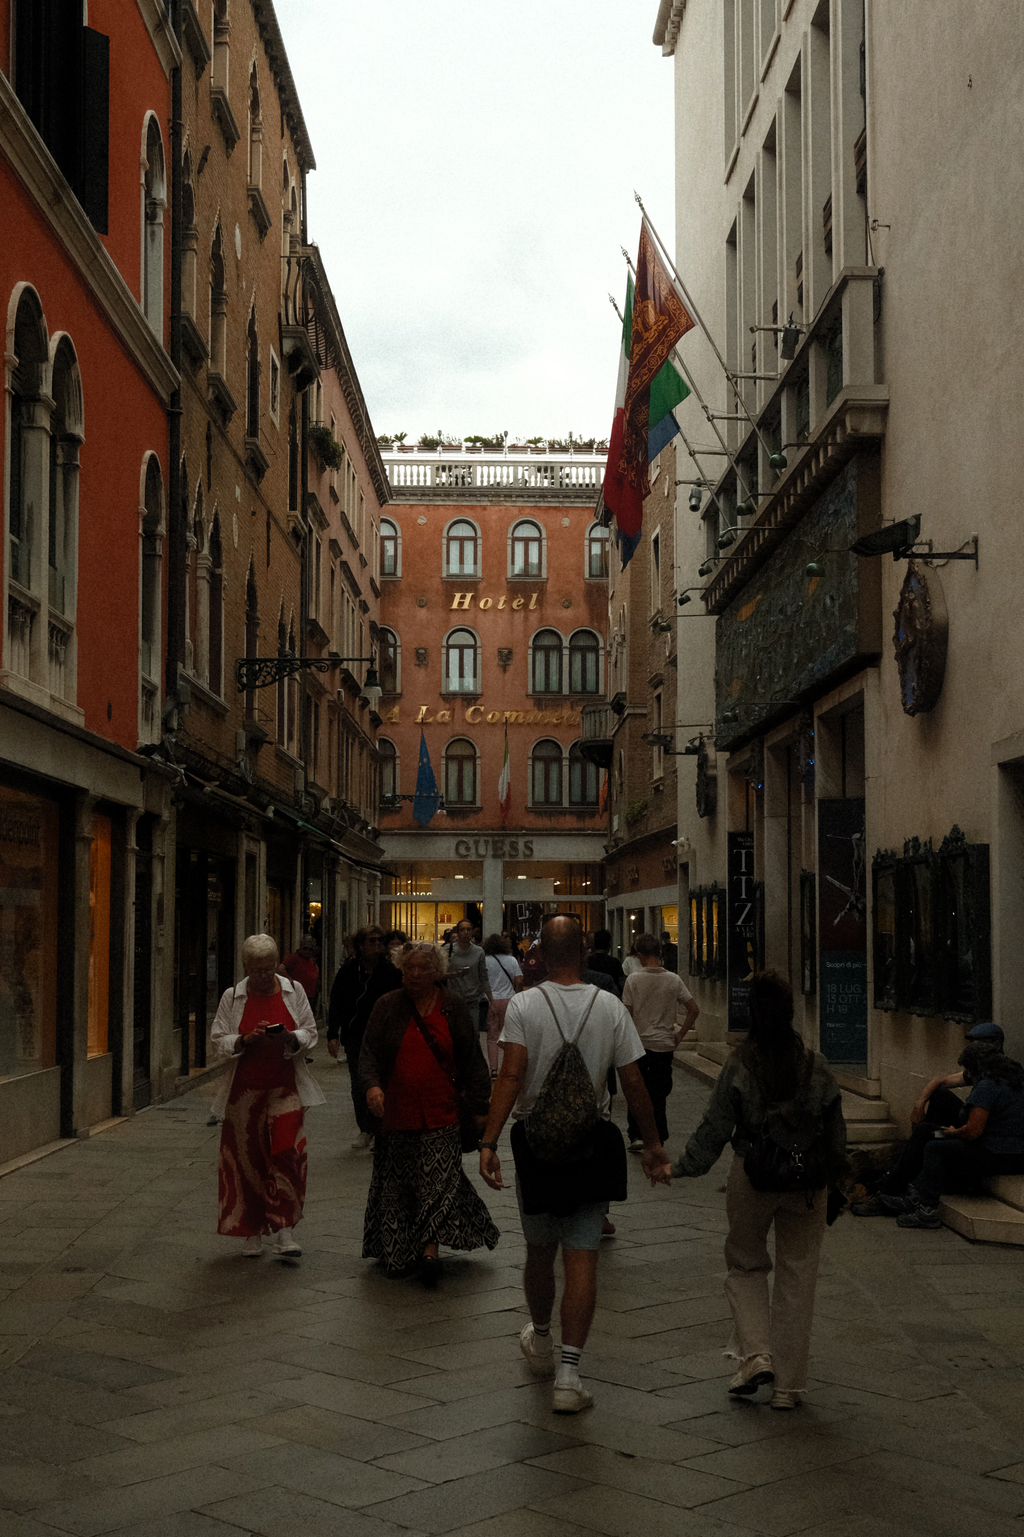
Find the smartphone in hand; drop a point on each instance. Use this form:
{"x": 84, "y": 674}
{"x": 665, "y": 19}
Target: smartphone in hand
{"x": 275, "y": 1029}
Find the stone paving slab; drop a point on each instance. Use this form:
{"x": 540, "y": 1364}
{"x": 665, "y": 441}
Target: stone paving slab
{"x": 153, "y": 1384}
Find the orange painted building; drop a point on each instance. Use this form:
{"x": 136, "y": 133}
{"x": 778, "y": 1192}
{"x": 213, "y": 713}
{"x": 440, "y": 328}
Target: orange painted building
{"x": 493, "y": 620}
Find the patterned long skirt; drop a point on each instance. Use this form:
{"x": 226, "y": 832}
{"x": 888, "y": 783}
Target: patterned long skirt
{"x": 262, "y": 1170}
{"x": 419, "y": 1195}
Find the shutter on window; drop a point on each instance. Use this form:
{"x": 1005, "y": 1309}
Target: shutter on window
{"x": 92, "y": 188}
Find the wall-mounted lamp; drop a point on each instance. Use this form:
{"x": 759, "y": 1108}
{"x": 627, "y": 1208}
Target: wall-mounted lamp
{"x": 661, "y": 626}
{"x": 902, "y": 541}
{"x": 789, "y": 337}
{"x": 729, "y": 535}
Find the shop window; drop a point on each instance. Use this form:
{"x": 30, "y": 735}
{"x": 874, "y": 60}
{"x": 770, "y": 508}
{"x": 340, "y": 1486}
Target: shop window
{"x": 597, "y": 551}
{"x": 526, "y": 550}
{"x": 99, "y": 935}
{"x": 462, "y": 549}
{"x": 546, "y": 668}
{"x": 462, "y": 663}
{"x": 154, "y": 202}
{"x": 460, "y": 774}
{"x": 390, "y": 663}
{"x": 29, "y": 937}
{"x": 584, "y": 663}
{"x": 390, "y": 548}
{"x": 546, "y": 773}
{"x": 583, "y": 778}
{"x": 707, "y": 916}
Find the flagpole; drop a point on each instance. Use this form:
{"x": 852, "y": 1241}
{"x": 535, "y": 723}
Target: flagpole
{"x": 700, "y": 321}
{"x": 688, "y": 376}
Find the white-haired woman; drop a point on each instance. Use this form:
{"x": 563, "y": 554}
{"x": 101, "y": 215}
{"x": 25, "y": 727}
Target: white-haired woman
{"x": 264, "y": 1026}
{"x": 419, "y": 1049}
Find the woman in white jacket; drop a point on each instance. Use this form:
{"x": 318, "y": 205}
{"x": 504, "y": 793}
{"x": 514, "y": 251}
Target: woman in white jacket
{"x": 264, "y": 1026}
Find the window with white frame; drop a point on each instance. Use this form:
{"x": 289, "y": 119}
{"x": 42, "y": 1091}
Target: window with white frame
{"x": 390, "y": 548}
{"x": 460, "y": 773}
{"x": 526, "y": 555}
{"x": 597, "y": 551}
{"x": 546, "y": 672}
{"x": 46, "y": 430}
{"x": 461, "y": 663}
{"x": 462, "y": 549}
{"x": 390, "y": 668}
{"x": 584, "y": 663}
{"x": 546, "y": 773}
{"x": 583, "y": 778}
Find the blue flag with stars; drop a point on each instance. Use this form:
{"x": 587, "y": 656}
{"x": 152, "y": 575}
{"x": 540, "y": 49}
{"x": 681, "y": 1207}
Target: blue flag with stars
{"x": 425, "y": 803}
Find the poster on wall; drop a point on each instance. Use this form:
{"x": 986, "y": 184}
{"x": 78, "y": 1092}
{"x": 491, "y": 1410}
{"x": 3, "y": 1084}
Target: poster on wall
{"x": 742, "y": 926}
{"x": 842, "y": 930}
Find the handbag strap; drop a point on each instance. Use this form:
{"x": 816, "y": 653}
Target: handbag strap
{"x": 446, "y": 1064}
{"x": 586, "y": 1014}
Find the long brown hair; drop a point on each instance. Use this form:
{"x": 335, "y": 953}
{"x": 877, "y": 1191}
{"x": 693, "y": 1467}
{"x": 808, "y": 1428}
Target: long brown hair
{"x": 772, "y": 1051}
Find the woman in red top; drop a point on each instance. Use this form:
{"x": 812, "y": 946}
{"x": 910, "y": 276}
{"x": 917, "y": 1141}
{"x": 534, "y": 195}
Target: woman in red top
{"x": 420, "y": 1041}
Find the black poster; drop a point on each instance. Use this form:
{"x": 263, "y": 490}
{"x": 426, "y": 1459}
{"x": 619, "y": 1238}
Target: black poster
{"x": 742, "y": 926}
{"x": 843, "y": 930}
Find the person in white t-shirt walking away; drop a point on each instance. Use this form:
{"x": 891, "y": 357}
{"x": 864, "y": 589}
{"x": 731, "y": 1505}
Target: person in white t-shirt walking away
{"x": 506, "y": 978}
{"x": 560, "y": 1203}
{"x": 652, "y": 996}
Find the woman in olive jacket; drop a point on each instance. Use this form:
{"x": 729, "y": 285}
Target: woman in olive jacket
{"x": 770, "y": 1338}
{"x": 421, "y": 1044}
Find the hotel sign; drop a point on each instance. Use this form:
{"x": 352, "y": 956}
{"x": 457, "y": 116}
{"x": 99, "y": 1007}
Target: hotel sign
{"x": 479, "y": 715}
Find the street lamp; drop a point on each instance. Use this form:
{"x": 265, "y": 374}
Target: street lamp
{"x": 262, "y": 671}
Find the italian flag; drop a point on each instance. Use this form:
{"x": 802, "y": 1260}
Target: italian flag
{"x": 505, "y": 783}
{"x": 621, "y": 497}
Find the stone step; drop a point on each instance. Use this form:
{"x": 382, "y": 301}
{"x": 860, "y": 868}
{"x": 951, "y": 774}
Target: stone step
{"x": 857, "y": 1108}
{"x": 983, "y": 1218}
{"x": 1008, "y": 1188}
{"x": 867, "y": 1120}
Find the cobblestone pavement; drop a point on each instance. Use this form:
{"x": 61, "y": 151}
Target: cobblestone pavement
{"x": 154, "y": 1383}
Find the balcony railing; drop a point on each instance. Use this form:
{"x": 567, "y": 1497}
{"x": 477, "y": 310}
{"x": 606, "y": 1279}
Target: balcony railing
{"x": 494, "y": 477}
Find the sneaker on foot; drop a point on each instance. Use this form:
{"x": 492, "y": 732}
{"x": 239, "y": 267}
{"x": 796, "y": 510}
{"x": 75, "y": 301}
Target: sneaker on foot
{"x": 253, "y": 1247}
{"x": 753, "y": 1372}
{"x": 636, "y": 1146}
{"x": 895, "y": 1205}
{"x": 362, "y": 1141}
{"x": 540, "y": 1360}
{"x": 872, "y": 1207}
{"x": 781, "y": 1399}
{"x": 285, "y": 1244}
{"x": 920, "y": 1216}
{"x": 570, "y": 1398}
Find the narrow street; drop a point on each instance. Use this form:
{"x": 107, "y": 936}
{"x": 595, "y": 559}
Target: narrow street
{"x": 154, "y": 1383}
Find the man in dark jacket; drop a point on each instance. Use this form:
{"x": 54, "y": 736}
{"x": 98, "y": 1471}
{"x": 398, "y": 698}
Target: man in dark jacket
{"x": 601, "y": 959}
{"x": 357, "y": 986}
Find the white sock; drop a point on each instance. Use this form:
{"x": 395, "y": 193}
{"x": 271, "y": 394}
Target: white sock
{"x": 568, "y": 1373}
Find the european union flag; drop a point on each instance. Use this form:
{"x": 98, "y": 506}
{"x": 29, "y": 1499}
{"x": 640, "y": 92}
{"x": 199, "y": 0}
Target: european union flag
{"x": 425, "y": 803}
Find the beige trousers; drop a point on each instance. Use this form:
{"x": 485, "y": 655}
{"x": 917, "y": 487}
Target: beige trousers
{"x": 779, "y": 1326}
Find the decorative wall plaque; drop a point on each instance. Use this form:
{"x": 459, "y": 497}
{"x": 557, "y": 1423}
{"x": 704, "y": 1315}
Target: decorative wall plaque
{"x": 504, "y": 657}
{"x": 422, "y": 656}
{"x": 920, "y": 639}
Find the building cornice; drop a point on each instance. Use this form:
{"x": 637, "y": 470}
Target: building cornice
{"x": 666, "y": 28}
{"x": 158, "y": 25}
{"x": 291, "y": 108}
{"x": 35, "y": 167}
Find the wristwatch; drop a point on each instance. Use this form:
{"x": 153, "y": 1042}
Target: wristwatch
{"x": 492, "y": 1145}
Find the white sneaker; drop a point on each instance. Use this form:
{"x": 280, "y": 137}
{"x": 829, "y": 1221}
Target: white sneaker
{"x": 754, "y": 1371}
{"x": 570, "y": 1398}
{"x": 539, "y": 1359}
{"x": 285, "y": 1244}
{"x": 362, "y": 1141}
{"x": 253, "y": 1247}
{"x": 636, "y": 1146}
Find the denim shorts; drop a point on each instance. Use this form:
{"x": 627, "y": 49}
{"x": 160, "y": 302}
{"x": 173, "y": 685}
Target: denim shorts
{"x": 581, "y": 1229}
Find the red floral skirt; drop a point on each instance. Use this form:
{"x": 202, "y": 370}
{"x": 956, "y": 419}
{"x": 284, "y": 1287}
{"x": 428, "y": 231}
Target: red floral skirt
{"x": 262, "y": 1170}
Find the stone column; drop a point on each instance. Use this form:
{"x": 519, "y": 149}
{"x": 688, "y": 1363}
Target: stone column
{"x": 493, "y": 894}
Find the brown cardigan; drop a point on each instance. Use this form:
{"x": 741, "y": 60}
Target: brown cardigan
{"x": 385, "y": 1030}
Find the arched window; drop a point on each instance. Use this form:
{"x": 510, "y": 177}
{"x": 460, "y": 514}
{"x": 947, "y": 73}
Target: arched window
{"x": 154, "y": 201}
{"x": 390, "y": 670}
{"x": 583, "y": 779}
{"x": 597, "y": 550}
{"x": 389, "y": 790}
{"x": 460, "y": 773}
{"x": 546, "y": 766}
{"x": 252, "y": 378}
{"x": 547, "y": 662}
{"x": 218, "y": 305}
{"x": 461, "y": 663}
{"x": 215, "y": 623}
{"x": 584, "y": 663}
{"x": 462, "y": 549}
{"x": 526, "y": 550}
{"x": 390, "y": 548}
{"x": 189, "y": 241}
{"x": 152, "y": 537}
{"x": 252, "y": 630}
{"x": 255, "y": 132}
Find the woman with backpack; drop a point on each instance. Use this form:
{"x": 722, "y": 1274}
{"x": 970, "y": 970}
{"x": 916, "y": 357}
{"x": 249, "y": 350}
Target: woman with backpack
{"x": 780, "y": 1107}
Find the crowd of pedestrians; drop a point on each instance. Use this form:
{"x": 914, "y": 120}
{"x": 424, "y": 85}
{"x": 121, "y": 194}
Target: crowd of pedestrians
{"x": 445, "y": 1042}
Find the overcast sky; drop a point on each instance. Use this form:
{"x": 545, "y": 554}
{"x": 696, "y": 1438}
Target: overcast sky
{"x": 475, "y": 173}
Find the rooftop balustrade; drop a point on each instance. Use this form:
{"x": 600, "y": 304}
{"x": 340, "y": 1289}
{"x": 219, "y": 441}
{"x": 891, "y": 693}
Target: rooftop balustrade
{"x": 461, "y": 475}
